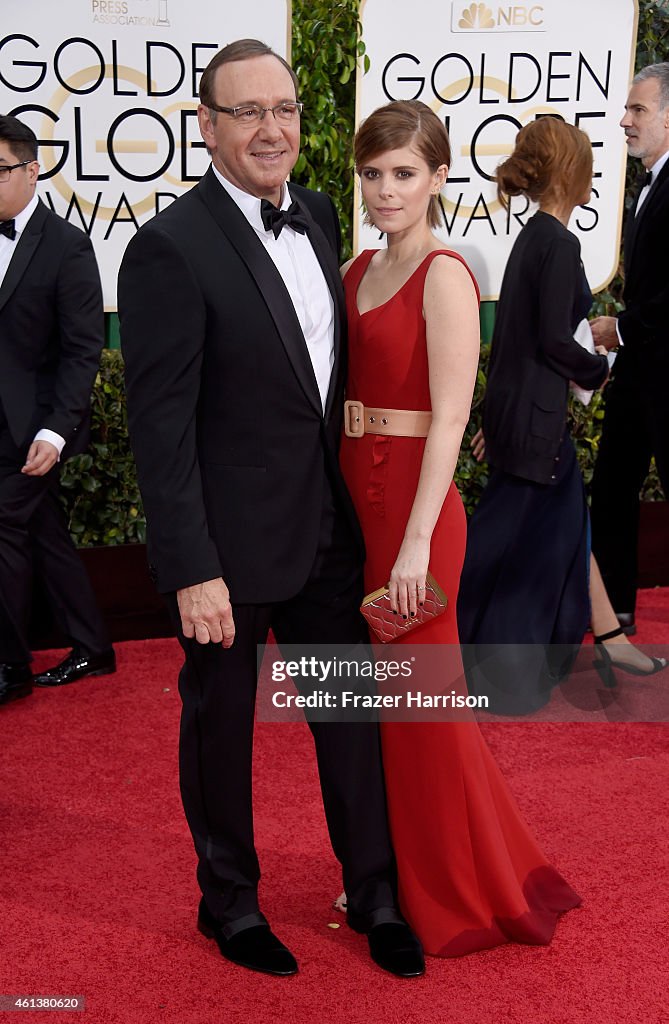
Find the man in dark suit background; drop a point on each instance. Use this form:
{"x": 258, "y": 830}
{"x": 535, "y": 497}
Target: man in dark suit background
{"x": 51, "y": 333}
{"x": 636, "y": 422}
{"x": 232, "y": 327}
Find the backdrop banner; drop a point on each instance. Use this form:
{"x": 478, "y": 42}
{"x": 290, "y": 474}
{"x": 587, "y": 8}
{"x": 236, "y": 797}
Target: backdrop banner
{"x": 488, "y": 69}
{"x": 110, "y": 89}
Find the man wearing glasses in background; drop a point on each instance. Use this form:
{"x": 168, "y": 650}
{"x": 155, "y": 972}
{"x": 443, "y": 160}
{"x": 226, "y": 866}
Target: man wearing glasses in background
{"x": 233, "y": 332}
{"x": 51, "y": 334}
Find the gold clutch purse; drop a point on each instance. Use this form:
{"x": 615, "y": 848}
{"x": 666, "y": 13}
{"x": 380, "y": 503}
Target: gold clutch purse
{"x": 390, "y": 626}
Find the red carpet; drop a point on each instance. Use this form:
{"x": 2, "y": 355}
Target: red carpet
{"x": 99, "y": 894}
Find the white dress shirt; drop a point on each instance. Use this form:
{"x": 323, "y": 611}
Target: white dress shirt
{"x": 7, "y": 250}
{"x": 7, "y": 245}
{"x": 296, "y": 261}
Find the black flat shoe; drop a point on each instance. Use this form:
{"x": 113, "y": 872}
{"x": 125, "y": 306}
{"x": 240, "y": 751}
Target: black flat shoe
{"x": 256, "y": 948}
{"x": 395, "y": 948}
{"x": 78, "y": 665}
{"x": 606, "y": 665}
{"x": 15, "y": 681}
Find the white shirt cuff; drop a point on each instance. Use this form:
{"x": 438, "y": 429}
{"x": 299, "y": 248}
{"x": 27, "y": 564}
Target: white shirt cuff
{"x": 52, "y": 437}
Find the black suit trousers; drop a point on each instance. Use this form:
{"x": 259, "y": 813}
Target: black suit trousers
{"x": 636, "y": 427}
{"x": 34, "y": 538}
{"x": 218, "y": 690}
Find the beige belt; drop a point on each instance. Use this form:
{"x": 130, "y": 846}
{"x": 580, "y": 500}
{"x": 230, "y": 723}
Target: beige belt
{"x": 360, "y": 420}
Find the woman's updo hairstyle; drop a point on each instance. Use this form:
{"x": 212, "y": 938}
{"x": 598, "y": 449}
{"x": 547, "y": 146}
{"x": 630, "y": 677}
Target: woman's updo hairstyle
{"x": 551, "y": 160}
{"x": 405, "y": 123}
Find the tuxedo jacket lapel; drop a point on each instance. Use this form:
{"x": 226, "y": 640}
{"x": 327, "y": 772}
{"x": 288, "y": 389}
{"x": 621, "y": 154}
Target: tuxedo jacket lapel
{"x": 270, "y": 283}
{"x": 25, "y": 247}
{"x": 635, "y": 220}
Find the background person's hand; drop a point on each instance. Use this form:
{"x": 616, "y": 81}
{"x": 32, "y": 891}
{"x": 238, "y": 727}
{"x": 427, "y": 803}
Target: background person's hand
{"x": 604, "y": 332}
{"x": 42, "y": 456}
{"x": 477, "y": 445}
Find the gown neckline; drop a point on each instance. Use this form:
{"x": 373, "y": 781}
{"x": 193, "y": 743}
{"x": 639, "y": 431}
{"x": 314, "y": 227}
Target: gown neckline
{"x": 442, "y": 252}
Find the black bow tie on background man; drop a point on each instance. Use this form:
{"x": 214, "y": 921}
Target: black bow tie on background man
{"x": 275, "y": 220}
{"x": 7, "y": 228}
{"x": 647, "y": 179}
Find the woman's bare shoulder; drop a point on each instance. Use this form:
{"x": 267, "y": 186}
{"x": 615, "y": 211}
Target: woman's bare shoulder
{"x": 345, "y": 267}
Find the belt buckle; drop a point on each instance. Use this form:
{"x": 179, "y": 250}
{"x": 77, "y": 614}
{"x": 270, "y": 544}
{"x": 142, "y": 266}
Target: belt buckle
{"x": 354, "y": 419}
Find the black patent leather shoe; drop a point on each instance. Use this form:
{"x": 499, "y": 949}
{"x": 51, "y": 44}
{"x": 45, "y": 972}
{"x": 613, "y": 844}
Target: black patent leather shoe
{"x": 77, "y": 665}
{"x": 15, "y": 681}
{"x": 256, "y": 948}
{"x": 395, "y": 948}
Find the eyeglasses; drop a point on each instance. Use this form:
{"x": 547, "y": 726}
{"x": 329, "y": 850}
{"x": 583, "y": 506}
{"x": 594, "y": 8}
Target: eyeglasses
{"x": 6, "y": 169}
{"x": 251, "y": 114}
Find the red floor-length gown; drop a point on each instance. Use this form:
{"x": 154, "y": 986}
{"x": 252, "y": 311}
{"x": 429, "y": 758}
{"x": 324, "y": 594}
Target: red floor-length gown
{"x": 471, "y": 876}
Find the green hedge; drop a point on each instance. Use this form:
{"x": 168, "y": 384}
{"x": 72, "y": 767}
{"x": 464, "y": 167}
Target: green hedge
{"x": 100, "y": 487}
{"x": 325, "y": 48}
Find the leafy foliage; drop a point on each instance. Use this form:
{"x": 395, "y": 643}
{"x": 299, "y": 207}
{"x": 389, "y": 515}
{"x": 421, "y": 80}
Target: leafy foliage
{"x": 652, "y": 45}
{"x": 99, "y": 488}
{"x": 652, "y": 48}
{"x": 326, "y": 44}
{"x": 472, "y": 476}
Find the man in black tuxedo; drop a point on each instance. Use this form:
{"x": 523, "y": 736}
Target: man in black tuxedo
{"x": 636, "y": 422}
{"x": 51, "y": 333}
{"x": 232, "y": 327}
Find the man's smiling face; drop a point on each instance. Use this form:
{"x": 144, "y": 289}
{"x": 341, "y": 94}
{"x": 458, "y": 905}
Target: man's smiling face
{"x": 256, "y": 159}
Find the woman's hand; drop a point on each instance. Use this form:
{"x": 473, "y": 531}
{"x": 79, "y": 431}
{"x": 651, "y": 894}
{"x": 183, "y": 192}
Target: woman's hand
{"x": 407, "y": 579}
{"x": 477, "y": 445}
{"x": 601, "y": 351}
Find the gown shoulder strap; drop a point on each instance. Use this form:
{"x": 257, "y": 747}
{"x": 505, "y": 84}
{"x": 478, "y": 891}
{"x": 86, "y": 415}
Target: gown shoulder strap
{"x": 356, "y": 271}
{"x": 456, "y": 256}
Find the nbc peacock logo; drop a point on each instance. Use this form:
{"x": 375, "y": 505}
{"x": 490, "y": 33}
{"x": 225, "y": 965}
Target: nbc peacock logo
{"x": 476, "y": 16}
{"x": 515, "y": 17}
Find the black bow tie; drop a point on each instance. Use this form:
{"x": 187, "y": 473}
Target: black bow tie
{"x": 274, "y": 220}
{"x": 647, "y": 178}
{"x": 7, "y": 228}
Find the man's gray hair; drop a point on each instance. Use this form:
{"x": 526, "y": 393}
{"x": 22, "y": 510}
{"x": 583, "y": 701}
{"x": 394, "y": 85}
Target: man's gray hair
{"x": 661, "y": 72}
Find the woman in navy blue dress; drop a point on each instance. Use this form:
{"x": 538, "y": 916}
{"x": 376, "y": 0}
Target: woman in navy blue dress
{"x": 524, "y": 602}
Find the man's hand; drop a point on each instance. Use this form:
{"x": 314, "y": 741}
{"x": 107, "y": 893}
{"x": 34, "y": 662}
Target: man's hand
{"x": 206, "y": 612}
{"x": 604, "y": 332}
{"x": 42, "y": 456}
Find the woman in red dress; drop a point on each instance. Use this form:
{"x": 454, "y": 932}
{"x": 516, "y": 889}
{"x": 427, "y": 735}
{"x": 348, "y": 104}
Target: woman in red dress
{"x": 471, "y": 875}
